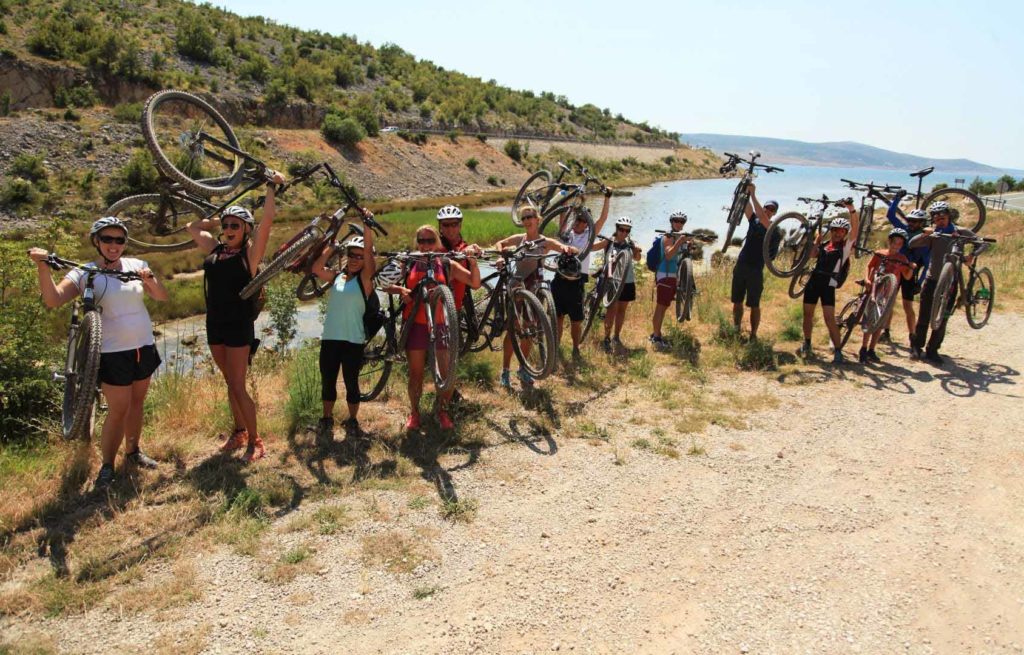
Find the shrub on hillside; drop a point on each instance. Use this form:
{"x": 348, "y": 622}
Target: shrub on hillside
{"x": 17, "y": 192}
{"x": 343, "y": 130}
{"x": 53, "y": 37}
{"x": 514, "y": 150}
{"x": 472, "y": 163}
{"x": 128, "y": 112}
{"x": 139, "y": 175}
{"x": 80, "y": 96}
{"x": 194, "y": 38}
{"x": 29, "y": 167}
{"x": 256, "y": 69}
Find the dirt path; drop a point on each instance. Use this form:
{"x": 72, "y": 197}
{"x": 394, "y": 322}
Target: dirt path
{"x": 889, "y": 519}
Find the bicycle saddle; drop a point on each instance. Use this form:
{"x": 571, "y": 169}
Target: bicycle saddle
{"x": 923, "y": 172}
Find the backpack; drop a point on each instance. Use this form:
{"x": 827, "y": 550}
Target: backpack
{"x": 654, "y": 256}
{"x": 373, "y": 315}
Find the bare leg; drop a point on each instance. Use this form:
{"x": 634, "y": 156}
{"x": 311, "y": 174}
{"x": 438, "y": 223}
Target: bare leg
{"x": 620, "y": 316}
{"x": 119, "y": 399}
{"x": 755, "y": 321}
{"x": 220, "y": 358}
{"x": 133, "y": 420}
{"x": 329, "y": 408}
{"x": 737, "y": 314}
{"x": 659, "y": 319}
{"x": 829, "y": 314}
{"x": 808, "y": 321}
{"x": 908, "y": 310}
{"x": 576, "y": 329}
{"x": 417, "y": 362}
{"x": 237, "y": 366}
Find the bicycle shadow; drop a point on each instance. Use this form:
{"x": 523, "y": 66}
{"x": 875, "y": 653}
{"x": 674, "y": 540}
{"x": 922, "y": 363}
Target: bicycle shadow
{"x": 577, "y": 407}
{"x": 315, "y": 450}
{"x": 535, "y": 435}
{"x": 965, "y": 378}
{"x": 882, "y": 377}
{"x": 427, "y": 446}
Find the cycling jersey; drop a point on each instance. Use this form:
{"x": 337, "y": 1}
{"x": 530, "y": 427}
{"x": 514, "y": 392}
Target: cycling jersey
{"x": 458, "y": 288}
{"x": 917, "y": 256}
{"x": 126, "y": 323}
{"x": 831, "y": 258}
{"x": 896, "y": 269}
{"x": 939, "y": 247}
{"x": 752, "y": 252}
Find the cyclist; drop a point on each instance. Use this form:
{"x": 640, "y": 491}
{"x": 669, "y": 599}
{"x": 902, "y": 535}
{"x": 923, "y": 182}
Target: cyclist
{"x": 665, "y": 277}
{"x": 904, "y": 272}
{"x": 923, "y": 346}
{"x": 427, "y": 240}
{"x": 449, "y": 222}
{"x": 918, "y": 257}
{"x": 343, "y": 338}
{"x": 828, "y": 273}
{"x": 528, "y": 274}
{"x": 568, "y": 293}
{"x": 231, "y": 260}
{"x": 616, "y": 315}
{"x": 127, "y": 354}
{"x": 748, "y": 274}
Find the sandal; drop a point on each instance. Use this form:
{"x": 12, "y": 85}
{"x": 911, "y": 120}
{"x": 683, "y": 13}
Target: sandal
{"x": 237, "y": 440}
{"x": 254, "y": 450}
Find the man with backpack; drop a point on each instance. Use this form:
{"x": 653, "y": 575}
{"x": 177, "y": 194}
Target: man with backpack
{"x": 748, "y": 274}
{"x": 663, "y": 260}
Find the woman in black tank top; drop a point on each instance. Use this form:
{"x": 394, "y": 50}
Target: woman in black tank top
{"x": 231, "y": 260}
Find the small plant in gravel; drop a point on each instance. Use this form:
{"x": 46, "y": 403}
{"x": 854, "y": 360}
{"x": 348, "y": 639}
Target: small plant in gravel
{"x": 695, "y": 448}
{"x": 757, "y": 355}
{"x": 493, "y": 181}
{"x": 330, "y": 519}
{"x": 398, "y": 552}
{"x": 459, "y": 510}
{"x": 422, "y": 593}
{"x": 472, "y": 163}
{"x": 684, "y": 345}
{"x": 419, "y": 502}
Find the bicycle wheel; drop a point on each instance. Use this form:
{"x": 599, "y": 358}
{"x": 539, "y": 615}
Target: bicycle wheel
{"x": 535, "y": 191}
{"x": 191, "y": 143}
{"x": 376, "y": 367}
{"x": 798, "y": 282}
{"x": 943, "y": 290}
{"x": 313, "y": 287}
{"x": 533, "y": 338}
{"x": 158, "y": 222}
{"x": 547, "y": 301}
{"x": 551, "y": 222}
{"x": 849, "y": 317}
{"x": 444, "y": 337}
{"x": 736, "y": 213}
{"x": 793, "y": 235}
{"x": 684, "y": 290}
{"x": 880, "y": 302}
{"x": 981, "y": 296}
{"x": 280, "y": 262}
{"x": 83, "y": 365}
{"x": 592, "y": 307}
{"x": 621, "y": 263}
{"x": 967, "y": 209}
{"x": 476, "y": 329}
{"x": 867, "y": 219}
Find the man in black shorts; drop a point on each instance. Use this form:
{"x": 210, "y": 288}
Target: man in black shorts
{"x": 748, "y": 275}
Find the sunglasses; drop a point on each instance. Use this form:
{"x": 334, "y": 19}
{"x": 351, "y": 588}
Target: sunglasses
{"x": 231, "y": 226}
{"x": 451, "y": 223}
{"x": 358, "y": 258}
{"x": 623, "y": 229}
{"x": 526, "y": 216}
{"x": 109, "y": 239}
{"x": 676, "y": 220}
{"x": 430, "y": 240}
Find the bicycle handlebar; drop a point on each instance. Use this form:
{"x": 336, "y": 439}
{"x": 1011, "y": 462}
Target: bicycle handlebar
{"x": 59, "y": 264}
{"x": 707, "y": 238}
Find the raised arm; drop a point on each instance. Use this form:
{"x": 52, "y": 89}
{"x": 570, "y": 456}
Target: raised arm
{"x": 762, "y": 215}
{"x": 320, "y": 265}
{"x": 891, "y": 215}
{"x": 200, "y": 233}
{"x": 152, "y": 285}
{"x": 54, "y": 294}
{"x": 262, "y": 236}
{"x": 369, "y": 261}
{"x": 603, "y": 218}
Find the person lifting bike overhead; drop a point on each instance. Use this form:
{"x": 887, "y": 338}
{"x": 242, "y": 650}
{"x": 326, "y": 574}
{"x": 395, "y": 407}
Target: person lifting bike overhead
{"x": 748, "y": 273}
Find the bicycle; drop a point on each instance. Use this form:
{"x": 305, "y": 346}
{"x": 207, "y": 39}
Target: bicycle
{"x": 685, "y": 287}
{"x": 872, "y": 193}
{"x": 504, "y": 302}
{"x": 966, "y": 208}
{"x": 388, "y": 345}
{"x": 175, "y": 127}
{"x": 607, "y": 285}
{"x": 82, "y": 363}
{"x": 795, "y": 235}
{"x": 979, "y": 291}
{"x": 299, "y": 253}
{"x": 741, "y": 196}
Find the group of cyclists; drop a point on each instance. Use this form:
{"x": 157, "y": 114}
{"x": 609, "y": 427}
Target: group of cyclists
{"x": 234, "y": 244}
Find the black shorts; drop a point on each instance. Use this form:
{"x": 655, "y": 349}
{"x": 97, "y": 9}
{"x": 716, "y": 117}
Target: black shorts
{"x": 748, "y": 282}
{"x": 628, "y": 292}
{"x": 909, "y": 288}
{"x": 236, "y": 334}
{"x": 121, "y": 368}
{"x": 820, "y": 288}
{"x": 568, "y": 295}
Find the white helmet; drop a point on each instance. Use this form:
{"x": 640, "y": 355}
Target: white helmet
{"x": 839, "y": 222}
{"x": 105, "y": 222}
{"x": 625, "y": 221}
{"x": 355, "y": 242}
{"x": 390, "y": 274}
{"x": 449, "y": 211}
{"x": 677, "y": 216}
{"x": 917, "y": 215}
{"x": 238, "y": 211}
{"x": 938, "y": 207}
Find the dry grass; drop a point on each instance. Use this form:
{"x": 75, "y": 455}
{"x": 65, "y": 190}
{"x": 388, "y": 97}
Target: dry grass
{"x": 397, "y": 551}
{"x": 191, "y": 641}
{"x": 290, "y": 564}
{"x": 179, "y": 588}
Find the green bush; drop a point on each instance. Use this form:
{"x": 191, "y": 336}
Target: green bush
{"x": 345, "y": 131}
{"x": 284, "y": 312}
{"x": 128, "y": 112}
{"x": 493, "y": 181}
{"x": 256, "y": 69}
{"x": 80, "y": 96}
{"x": 472, "y": 163}
{"x": 29, "y": 167}
{"x": 684, "y": 345}
{"x": 757, "y": 355}
{"x": 194, "y": 38}
{"x": 53, "y": 38}
{"x": 514, "y": 150}
{"x": 17, "y": 192}
{"x": 139, "y": 175}
{"x": 304, "y": 404}
{"x": 5, "y": 103}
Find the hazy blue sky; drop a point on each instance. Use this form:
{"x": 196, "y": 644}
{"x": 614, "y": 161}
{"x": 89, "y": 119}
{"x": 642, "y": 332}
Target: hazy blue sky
{"x": 936, "y": 78}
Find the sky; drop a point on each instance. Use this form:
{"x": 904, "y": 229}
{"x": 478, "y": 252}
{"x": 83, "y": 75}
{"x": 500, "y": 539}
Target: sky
{"x": 933, "y": 78}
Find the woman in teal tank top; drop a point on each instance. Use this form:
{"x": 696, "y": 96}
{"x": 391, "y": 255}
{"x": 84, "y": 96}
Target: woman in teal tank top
{"x": 343, "y": 338}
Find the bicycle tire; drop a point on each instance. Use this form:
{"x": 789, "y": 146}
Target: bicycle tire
{"x": 484, "y": 325}
{"x": 867, "y": 215}
{"x": 947, "y": 278}
{"x": 547, "y": 301}
{"x": 446, "y": 332}
{"x": 880, "y": 302}
{"x": 737, "y": 210}
{"x": 524, "y": 195}
{"x": 537, "y": 329}
{"x": 684, "y": 290}
{"x": 376, "y": 366}
{"x": 799, "y": 282}
{"x": 312, "y": 287}
{"x": 591, "y": 307}
{"x": 279, "y": 263}
{"x": 142, "y": 214}
{"x": 849, "y": 317}
{"x": 987, "y": 294}
{"x": 617, "y": 277}
{"x": 554, "y": 219}
{"x": 79, "y": 407}
{"x": 967, "y": 206}
{"x": 201, "y": 187}
{"x": 794, "y": 250}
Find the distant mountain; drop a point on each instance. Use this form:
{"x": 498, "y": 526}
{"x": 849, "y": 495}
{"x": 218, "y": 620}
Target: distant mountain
{"x": 838, "y": 153}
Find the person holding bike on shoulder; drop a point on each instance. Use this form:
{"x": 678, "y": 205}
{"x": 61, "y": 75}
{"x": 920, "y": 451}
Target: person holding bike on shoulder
{"x": 748, "y": 274}
{"x": 833, "y": 258}
{"x": 923, "y": 346}
{"x": 230, "y": 263}
{"x": 344, "y": 336}
{"x": 904, "y": 272}
{"x": 616, "y": 315}
{"x": 568, "y": 293}
{"x": 427, "y": 240}
{"x": 918, "y": 257}
{"x": 527, "y": 273}
{"x": 665, "y": 277}
{"x": 128, "y": 356}
{"x": 449, "y": 222}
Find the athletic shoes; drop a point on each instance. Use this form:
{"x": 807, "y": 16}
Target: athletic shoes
{"x": 413, "y": 423}
{"x": 805, "y": 350}
{"x": 444, "y": 420}
{"x": 837, "y": 357}
{"x": 862, "y": 357}
{"x": 872, "y": 357}
{"x": 325, "y": 427}
{"x": 525, "y": 378}
{"x": 141, "y": 460}
{"x": 506, "y": 379}
{"x": 885, "y": 337}
{"x": 105, "y": 477}
{"x": 934, "y": 358}
{"x": 606, "y": 345}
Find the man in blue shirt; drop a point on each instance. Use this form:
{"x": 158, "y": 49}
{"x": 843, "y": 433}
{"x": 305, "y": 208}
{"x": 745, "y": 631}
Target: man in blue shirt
{"x": 916, "y": 221}
{"x": 748, "y": 275}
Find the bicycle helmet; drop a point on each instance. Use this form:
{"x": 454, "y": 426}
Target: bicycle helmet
{"x": 917, "y": 215}
{"x": 105, "y": 222}
{"x": 569, "y": 266}
{"x": 355, "y": 242}
{"x": 771, "y": 204}
{"x": 899, "y": 232}
{"x": 449, "y": 211}
{"x": 677, "y": 216}
{"x": 938, "y": 207}
{"x": 240, "y": 212}
{"x": 625, "y": 221}
{"x": 390, "y": 274}
{"x": 839, "y": 222}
